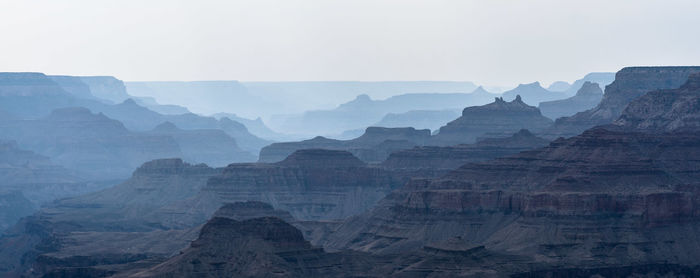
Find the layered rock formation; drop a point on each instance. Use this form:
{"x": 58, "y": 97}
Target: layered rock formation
{"x": 586, "y": 98}
{"x": 497, "y": 119}
{"x": 532, "y": 94}
{"x": 433, "y": 161}
{"x": 114, "y": 227}
{"x": 311, "y": 184}
{"x": 629, "y": 84}
{"x": 211, "y": 146}
{"x": 617, "y": 195}
{"x": 373, "y": 146}
{"x": 268, "y": 246}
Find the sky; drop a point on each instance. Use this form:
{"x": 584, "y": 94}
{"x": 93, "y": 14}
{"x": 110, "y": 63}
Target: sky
{"x": 492, "y": 42}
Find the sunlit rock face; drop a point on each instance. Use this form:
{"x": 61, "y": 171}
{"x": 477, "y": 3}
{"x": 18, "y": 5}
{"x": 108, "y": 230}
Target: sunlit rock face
{"x": 311, "y": 184}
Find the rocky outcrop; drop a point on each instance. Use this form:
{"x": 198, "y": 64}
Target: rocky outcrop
{"x": 630, "y": 83}
{"x": 665, "y": 110}
{"x": 532, "y": 94}
{"x": 586, "y": 98}
{"x": 211, "y": 146}
{"x": 433, "y": 161}
{"x": 373, "y": 146}
{"x": 497, "y": 119}
{"x": 617, "y": 195}
{"x": 311, "y": 184}
{"x": 602, "y": 78}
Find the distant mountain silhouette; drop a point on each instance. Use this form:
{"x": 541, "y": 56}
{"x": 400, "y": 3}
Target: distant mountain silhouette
{"x": 532, "y": 94}
{"x": 586, "y": 98}
{"x": 364, "y": 111}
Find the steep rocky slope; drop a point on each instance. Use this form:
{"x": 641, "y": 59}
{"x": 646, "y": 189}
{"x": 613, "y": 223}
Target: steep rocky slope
{"x": 587, "y": 97}
{"x": 614, "y": 195}
{"x": 373, "y": 146}
{"x": 497, "y": 119}
{"x": 629, "y": 84}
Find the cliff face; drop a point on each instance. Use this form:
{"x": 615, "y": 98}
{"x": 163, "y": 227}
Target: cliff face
{"x": 373, "y": 146}
{"x": 665, "y": 110}
{"x": 311, "y": 184}
{"x": 499, "y": 118}
{"x": 629, "y": 84}
{"x": 586, "y": 98}
{"x": 620, "y": 195}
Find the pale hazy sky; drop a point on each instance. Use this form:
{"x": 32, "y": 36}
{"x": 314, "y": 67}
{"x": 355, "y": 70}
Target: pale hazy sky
{"x": 487, "y": 41}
